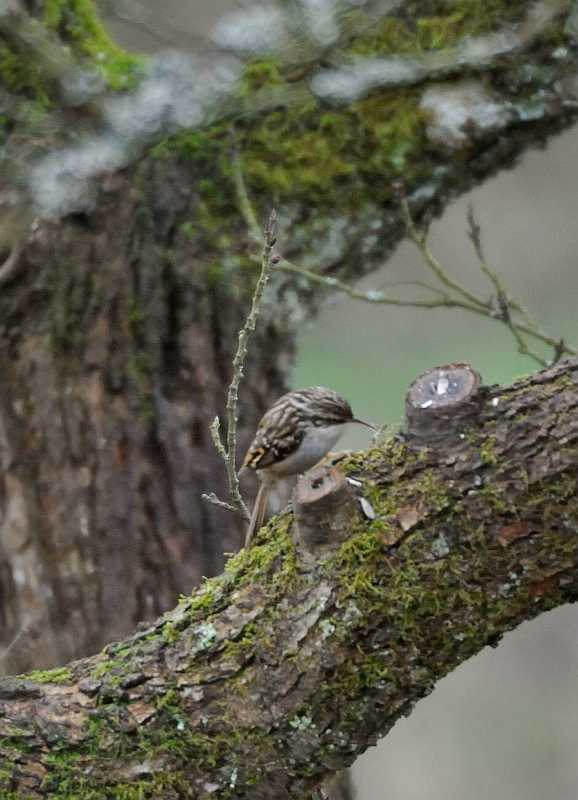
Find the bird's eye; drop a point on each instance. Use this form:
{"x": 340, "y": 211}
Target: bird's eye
{"x": 317, "y": 421}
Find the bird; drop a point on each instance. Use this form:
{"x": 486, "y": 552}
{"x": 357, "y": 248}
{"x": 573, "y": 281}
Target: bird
{"x": 297, "y": 431}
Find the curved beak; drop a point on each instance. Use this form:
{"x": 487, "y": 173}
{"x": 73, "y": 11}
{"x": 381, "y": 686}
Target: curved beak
{"x": 367, "y": 424}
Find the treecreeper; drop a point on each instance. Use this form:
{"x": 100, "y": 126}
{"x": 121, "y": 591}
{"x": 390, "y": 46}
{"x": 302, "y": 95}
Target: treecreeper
{"x": 297, "y": 431}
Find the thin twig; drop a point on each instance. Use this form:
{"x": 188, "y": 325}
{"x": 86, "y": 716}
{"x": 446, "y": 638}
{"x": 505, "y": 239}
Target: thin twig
{"x": 212, "y": 498}
{"x": 420, "y": 239}
{"x": 520, "y": 340}
{"x": 372, "y": 296}
{"x": 519, "y": 328}
{"x": 270, "y": 238}
{"x": 215, "y": 430}
{"x": 504, "y": 302}
{"x": 451, "y": 295}
{"x": 229, "y": 453}
{"x": 245, "y": 206}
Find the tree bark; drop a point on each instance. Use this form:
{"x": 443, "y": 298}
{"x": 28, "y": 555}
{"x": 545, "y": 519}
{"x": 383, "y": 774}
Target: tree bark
{"x": 287, "y": 667}
{"x": 118, "y": 323}
{"x": 110, "y": 384}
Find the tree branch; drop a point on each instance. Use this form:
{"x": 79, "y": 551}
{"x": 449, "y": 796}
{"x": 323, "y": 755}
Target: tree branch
{"x": 233, "y": 694}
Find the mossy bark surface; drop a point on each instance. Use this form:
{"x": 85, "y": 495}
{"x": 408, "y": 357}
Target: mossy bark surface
{"x": 287, "y": 667}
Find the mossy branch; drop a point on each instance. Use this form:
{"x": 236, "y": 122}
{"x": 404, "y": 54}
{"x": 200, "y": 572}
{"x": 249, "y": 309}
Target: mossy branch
{"x": 232, "y": 694}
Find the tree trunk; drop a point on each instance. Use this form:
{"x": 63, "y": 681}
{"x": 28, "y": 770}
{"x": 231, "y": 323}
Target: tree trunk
{"x": 309, "y": 648}
{"x": 116, "y": 344}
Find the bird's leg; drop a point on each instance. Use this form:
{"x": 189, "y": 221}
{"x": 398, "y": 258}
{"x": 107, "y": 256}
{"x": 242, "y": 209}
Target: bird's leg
{"x": 259, "y": 510}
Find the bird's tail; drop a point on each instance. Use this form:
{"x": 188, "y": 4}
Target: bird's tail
{"x": 259, "y": 510}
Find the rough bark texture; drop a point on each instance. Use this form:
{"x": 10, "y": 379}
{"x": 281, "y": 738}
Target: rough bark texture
{"x": 109, "y": 384}
{"x": 234, "y": 694}
{"x": 117, "y": 325}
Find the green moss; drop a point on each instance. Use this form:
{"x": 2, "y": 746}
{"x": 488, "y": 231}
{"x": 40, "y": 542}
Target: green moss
{"x": 494, "y": 496}
{"x": 273, "y": 549}
{"x": 204, "y": 599}
{"x": 23, "y": 75}
{"x": 488, "y": 451}
{"x": 566, "y": 381}
{"x": 321, "y": 154}
{"x": 77, "y": 25}
{"x": 58, "y": 675}
{"x": 243, "y": 647}
{"x": 101, "y": 669}
{"x": 170, "y": 632}
{"x": 52, "y": 13}
{"x": 265, "y": 74}
{"x": 444, "y": 25}
{"x": 77, "y": 21}
{"x": 170, "y": 701}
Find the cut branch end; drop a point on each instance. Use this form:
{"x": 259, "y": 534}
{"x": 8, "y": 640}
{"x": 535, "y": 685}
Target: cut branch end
{"x": 442, "y": 400}
{"x": 325, "y": 508}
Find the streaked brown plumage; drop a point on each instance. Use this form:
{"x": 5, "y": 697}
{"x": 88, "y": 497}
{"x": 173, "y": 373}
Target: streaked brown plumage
{"x": 294, "y": 434}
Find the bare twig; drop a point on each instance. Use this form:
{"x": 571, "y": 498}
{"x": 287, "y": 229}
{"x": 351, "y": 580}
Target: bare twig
{"x": 475, "y": 234}
{"x": 420, "y": 240}
{"x": 212, "y": 498}
{"x": 520, "y": 327}
{"x": 242, "y": 195}
{"x": 239, "y": 360}
{"x": 451, "y": 294}
{"x": 229, "y": 453}
{"x": 372, "y": 296}
{"x": 216, "y": 437}
{"x": 506, "y": 305}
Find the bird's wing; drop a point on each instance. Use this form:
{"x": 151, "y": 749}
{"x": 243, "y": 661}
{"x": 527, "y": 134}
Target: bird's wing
{"x": 264, "y": 451}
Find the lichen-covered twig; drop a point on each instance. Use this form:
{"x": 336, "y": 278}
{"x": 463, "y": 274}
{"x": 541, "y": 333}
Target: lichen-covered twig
{"x": 229, "y": 453}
